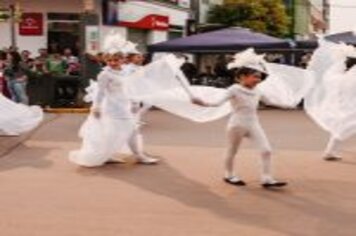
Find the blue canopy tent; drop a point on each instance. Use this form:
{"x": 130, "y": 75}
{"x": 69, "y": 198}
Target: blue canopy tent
{"x": 219, "y": 41}
{"x": 347, "y": 37}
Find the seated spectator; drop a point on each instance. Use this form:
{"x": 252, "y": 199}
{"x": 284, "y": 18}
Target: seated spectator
{"x": 55, "y": 65}
{"x": 73, "y": 66}
{"x": 68, "y": 56}
{"x": 39, "y": 64}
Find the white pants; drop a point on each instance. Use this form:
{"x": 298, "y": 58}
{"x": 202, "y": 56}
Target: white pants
{"x": 256, "y": 134}
{"x": 135, "y": 143}
{"x": 333, "y": 148}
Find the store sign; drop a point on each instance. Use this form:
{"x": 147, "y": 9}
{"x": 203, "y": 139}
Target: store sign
{"x": 92, "y": 40}
{"x": 155, "y": 22}
{"x": 134, "y": 14}
{"x": 31, "y": 24}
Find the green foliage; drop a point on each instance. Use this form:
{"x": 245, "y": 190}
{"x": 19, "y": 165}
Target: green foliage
{"x": 267, "y": 16}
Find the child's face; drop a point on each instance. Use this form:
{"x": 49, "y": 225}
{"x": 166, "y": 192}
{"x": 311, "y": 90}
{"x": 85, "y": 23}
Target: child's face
{"x": 137, "y": 59}
{"x": 251, "y": 80}
{"x": 114, "y": 62}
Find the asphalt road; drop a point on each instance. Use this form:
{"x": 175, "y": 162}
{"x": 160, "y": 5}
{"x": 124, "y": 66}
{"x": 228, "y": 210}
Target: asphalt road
{"x": 41, "y": 193}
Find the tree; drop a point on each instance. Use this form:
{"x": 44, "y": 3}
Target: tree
{"x": 264, "y": 16}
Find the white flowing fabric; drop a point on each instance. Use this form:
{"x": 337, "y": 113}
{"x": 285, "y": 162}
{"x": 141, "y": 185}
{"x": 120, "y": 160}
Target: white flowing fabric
{"x": 286, "y": 85}
{"x": 332, "y": 102}
{"x": 169, "y": 90}
{"x": 163, "y": 85}
{"x": 18, "y": 118}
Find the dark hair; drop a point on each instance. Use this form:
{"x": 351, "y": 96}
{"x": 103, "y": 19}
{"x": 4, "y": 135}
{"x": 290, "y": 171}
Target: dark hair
{"x": 350, "y": 62}
{"x": 245, "y": 71}
{"x": 2, "y": 55}
{"x": 16, "y": 60}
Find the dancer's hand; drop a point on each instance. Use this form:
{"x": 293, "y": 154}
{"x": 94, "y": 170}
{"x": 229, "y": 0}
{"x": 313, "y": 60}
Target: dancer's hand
{"x": 198, "y": 101}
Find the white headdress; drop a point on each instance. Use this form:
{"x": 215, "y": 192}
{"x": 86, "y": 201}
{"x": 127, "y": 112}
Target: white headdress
{"x": 344, "y": 50}
{"x": 130, "y": 47}
{"x": 114, "y": 42}
{"x": 249, "y": 59}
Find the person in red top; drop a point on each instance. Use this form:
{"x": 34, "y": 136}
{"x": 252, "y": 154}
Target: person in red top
{"x": 3, "y": 88}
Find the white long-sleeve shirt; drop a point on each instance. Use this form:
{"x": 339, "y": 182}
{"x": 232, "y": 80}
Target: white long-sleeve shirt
{"x": 111, "y": 97}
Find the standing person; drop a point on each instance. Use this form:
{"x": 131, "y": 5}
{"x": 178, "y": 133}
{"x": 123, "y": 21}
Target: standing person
{"x": 111, "y": 123}
{"x": 15, "y": 74}
{"x": 3, "y": 86}
{"x": 244, "y": 121}
{"x": 27, "y": 59}
{"x": 189, "y": 70}
{"x": 134, "y": 61}
{"x": 40, "y": 61}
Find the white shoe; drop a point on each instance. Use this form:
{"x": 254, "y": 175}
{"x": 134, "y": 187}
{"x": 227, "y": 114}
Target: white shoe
{"x": 270, "y": 182}
{"x": 147, "y": 160}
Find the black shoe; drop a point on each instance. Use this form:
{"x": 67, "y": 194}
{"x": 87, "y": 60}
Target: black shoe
{"x": 276, "y": 184}
{"x": 332, "y": 158}
{"x": 234, "y": 182}
{"x": 115, "y": 161}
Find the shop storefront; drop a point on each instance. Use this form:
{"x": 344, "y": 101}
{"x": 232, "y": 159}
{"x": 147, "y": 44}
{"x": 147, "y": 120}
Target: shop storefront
{"x": 45, "y": 24}
{"x": 56, "y": 24}
{"x": 146, "y": 22}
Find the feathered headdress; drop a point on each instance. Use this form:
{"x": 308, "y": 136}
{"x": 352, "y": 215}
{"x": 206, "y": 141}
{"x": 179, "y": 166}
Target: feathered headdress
{"x": 114, "y": 42}
{"x": 249, "y": 59}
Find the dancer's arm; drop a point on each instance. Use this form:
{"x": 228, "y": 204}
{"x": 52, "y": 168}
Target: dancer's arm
{"x": 98, "y": 99}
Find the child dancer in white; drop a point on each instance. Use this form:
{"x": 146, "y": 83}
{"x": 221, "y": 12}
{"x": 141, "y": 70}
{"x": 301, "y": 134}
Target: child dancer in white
{"x": 112, "y": 123}
{"x": 244, "y": 122}
{"x": 331, "y": 103}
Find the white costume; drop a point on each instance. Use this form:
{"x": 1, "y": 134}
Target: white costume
{"x": 332, "y": 103}
{"x": 244, "y": 102}
{"x": 244, "y": 122}
{"x": 104, "y": 137}
{"x": 18, "y": 118}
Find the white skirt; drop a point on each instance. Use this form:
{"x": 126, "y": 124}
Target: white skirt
{"x": 101, "y": 139}
{"x": 18, "y": 118}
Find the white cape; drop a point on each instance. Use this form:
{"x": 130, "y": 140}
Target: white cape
{"x": 18, "y": 118}
{"x": 332, "y": 101}
{"x": 162, "y": 84}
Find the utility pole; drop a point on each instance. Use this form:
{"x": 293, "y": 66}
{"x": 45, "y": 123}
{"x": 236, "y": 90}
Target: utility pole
{"x": 12, "y": 9}
{"x": 326, "y": 14}
{"x": 194, "y": 17}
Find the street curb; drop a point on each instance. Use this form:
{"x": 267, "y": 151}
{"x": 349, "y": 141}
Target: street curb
{"x": 67, "y": 110}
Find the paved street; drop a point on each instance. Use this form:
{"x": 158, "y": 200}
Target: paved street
{"x": 42, "y": 194}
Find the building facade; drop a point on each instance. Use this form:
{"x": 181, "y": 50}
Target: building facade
{"x": 57, "y": 24}
{"x": 309, "y": 17}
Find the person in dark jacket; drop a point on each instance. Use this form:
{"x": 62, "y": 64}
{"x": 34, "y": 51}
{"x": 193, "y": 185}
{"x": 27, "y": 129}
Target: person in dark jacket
{"x": 16, "y": 78}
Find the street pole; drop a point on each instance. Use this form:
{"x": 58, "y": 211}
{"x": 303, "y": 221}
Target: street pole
{"x": 195, "y": 8}
{"x": 326, "y": 12}
{"x": 13, "y": 26}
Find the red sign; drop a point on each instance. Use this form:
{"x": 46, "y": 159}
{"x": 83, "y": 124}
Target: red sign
{"x": 155, "y": 22}
{"x": 31, "y": 24}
